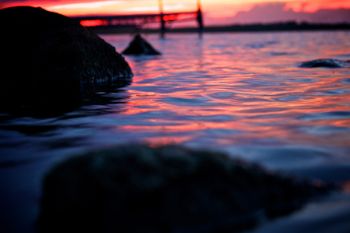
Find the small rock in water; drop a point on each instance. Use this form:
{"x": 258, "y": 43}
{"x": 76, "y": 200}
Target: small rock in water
{"x": 136, "y": 188}
{"x": 139, "y": 46}
{"x": 326, "y": 63}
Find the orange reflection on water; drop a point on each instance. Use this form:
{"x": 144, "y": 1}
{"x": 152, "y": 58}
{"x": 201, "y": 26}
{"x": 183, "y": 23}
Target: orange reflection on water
{"x": 231, "y": 90}
{"x": 166, "y": 140}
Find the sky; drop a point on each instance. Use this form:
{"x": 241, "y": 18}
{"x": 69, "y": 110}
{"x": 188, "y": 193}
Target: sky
{"x": 215, "y": 11}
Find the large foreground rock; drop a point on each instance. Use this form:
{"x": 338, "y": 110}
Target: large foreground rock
{"x": 51, "y": 61}
{"x": 135, "y": 188}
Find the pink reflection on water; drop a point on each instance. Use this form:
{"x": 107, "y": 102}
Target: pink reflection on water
{"x": 242, "y": 89}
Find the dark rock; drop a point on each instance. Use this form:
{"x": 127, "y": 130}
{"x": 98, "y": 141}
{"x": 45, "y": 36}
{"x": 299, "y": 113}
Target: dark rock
{"x": 49, "y": 60}
{"x": 139, "y": 46}
{"x": 135, "y": 188}
{"x": 326, "y": 63}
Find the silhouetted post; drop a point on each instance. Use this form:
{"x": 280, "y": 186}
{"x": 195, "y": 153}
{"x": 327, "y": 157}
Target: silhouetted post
{"x": 200, "y": 17}
{"x": 162, "y": 20}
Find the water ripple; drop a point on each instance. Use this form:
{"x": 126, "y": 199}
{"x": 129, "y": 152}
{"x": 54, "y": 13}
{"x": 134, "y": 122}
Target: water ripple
{"x": 223, "y": 91}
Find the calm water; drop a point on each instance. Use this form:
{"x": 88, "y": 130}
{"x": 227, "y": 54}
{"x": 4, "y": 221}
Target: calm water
{"x": 241, "y": 93}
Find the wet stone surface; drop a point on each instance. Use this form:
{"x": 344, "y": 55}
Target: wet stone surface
{"x": 325, "y": 63}
{"x": 140, "y": 46}
{"x": 50, "y": 61}
{"x": 136, "y": 188}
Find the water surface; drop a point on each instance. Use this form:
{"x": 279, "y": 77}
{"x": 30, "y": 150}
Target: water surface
{"x": 240, "y": 93}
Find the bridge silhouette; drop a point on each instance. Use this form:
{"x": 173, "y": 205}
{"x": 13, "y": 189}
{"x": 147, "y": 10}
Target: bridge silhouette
{"x": 139, "y": 20}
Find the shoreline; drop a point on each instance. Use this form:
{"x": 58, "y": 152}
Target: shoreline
{"x": 239, "y": 28}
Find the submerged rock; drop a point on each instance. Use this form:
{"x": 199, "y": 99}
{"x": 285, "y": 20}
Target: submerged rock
{"x": 135, "y": 188}
{"x": 51, "y": 61}
{"x": 139, "y": 46}
{"x": 326, "y": 63}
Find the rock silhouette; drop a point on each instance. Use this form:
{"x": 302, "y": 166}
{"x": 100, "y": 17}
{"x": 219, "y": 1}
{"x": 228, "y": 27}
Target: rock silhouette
{"x": 136, "y": 188}
{"x": 326, "y": 63}
{"x": 139, "y": 46}
{"x": 50, "y": 61}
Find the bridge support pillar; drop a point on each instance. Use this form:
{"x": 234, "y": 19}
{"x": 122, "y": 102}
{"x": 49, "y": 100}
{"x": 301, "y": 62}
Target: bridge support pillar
{"x": 162, "y": 25}
{"x": 162, "y": 19}
{"x": 200, "y": 17}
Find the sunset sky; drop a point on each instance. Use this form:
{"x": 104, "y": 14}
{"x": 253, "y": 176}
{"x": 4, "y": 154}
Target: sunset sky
{"x": 216, "y": 11}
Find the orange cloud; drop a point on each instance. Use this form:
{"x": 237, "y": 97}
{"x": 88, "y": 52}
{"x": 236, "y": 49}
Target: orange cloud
{"x": 219, "y": 9}
{"x": 315, "y": 5}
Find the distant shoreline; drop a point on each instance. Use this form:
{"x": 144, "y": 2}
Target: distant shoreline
{"x": 273, "y": 27}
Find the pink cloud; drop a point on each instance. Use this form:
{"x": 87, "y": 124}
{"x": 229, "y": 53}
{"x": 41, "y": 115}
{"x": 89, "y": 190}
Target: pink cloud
{"x": 279, "y": 12}
{"x": 316, "y": 5}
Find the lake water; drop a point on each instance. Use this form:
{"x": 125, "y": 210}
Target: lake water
{"x": 240, "y": 93}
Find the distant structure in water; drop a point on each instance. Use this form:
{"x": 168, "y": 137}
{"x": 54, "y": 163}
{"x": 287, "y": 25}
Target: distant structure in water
{"x": 137, "y": 21}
